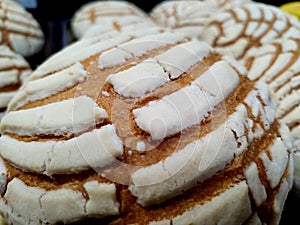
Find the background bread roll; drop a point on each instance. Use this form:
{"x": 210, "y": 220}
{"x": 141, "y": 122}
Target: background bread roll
{"x": 159, "y": 129}
{"x": 14, "y": 70}
{"x": 111, "y": 15}
{"x": 19, "y": 30}
{"x": 267, "y": 41}
{"x": 189, "y": 17}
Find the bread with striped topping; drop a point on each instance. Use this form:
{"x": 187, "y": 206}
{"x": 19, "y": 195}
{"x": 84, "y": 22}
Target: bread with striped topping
{"x": 159, "y": 129}
{"x": 19, "y": 30}
{"x": 266, "y": 41}
{"x": 189, "y": 17}
{"x": 106, "y": 15}
{"x": 13, "y": 71}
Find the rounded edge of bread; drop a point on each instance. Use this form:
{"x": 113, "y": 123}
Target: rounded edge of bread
{"x": 20, "y": 31}
{"x": 245, "y": 128}
{"x": 106, "y": 15}
{"x": 14, "y": 70}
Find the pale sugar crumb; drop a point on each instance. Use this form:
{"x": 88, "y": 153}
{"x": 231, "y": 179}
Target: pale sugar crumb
{"x": 134, "y": 63}
{"x": 140, "y": 146}
{"x": 105, "y": 93}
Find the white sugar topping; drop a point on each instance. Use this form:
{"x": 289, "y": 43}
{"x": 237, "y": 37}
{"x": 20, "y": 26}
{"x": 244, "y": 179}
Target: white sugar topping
{"x": 136, "y": 48}
{"x": 105, "y": 93}
{"x": 227, "y": 203}
{"x": 202, "y": 158}
{"x": 277, "y": 164}
{"x": 46, "y": 86}
{"x": 5, "y": 98}
{"x": 3, "y": 176}
{"x": 105, "y": 14}
{"x": 140, "y": 146}
{"x": 37, "y": 204}
{"x": 181, "y": 109}
{"x": 75, "y": 52}
{"x": 138, "y": 80}
{"x": 194, "y": 163}
{"x": 76, "y": 115}
{"x": 94, "y": 149}
{"x": 23, "y": 32}
{"x": 256, "y": 187}
{"x": 182, "y": 57}
{"x": 13, "y": 69}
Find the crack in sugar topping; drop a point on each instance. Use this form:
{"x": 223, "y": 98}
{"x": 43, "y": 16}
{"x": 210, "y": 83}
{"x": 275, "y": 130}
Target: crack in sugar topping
{"x": 19, "y": 30}
{"x": 99, "y": 156}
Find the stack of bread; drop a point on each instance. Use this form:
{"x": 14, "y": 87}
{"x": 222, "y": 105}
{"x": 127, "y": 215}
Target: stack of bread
{"x": 157, "y": 126}
{"x": 20, "y": 36}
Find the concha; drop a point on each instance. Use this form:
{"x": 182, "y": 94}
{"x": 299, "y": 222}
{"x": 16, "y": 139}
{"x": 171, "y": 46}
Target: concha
{"x": 156, "y": 129}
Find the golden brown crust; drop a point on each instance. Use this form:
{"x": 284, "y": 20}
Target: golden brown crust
{"x": 246, "y": 105}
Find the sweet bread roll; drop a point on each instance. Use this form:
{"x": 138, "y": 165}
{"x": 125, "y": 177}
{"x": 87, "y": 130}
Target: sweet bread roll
{"x": 236, "y": 30}
{"x": 111, "y": 15}
{"x": 138, "y": 28}
{"x": 267, "y": 41}
{"x": 13, "y": 71}
{"x": 227, "y": 4}
{"x": 19, "y": 30}
{"x": 159, "y": 129}
{"x": 278, "y": 64}
{"x": 189, "y": 17}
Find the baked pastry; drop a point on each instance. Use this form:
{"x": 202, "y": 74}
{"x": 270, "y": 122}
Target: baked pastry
{"x": 227, "y": 4}
{"x": 19, "y": 30}
{"x": 267, "y": 41}
{"x": 129, "y": 143}
{"x": 106, "y": 15}
{"x": 189, "y": 17}
{"x": 139, "y": 28}
{"x": 278, "y": 64}
{"x": 13, "y": 71}
{"x": 236, "y": 30}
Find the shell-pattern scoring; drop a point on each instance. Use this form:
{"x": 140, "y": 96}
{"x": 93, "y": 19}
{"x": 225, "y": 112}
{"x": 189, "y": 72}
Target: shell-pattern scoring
{"x": 131, "y": 133}
{"x": 236, "y": 30}
{"x": 135, "y": 29}
{"x": 189, "y": 17}
{"x": 19, "y": 30}
{"x": 112, "y": 15}
{"x": 278, "y": 64}
{"x": 14, "y": 69}
{"x": 267, "y": 41}
{"x": 227, "y": 4}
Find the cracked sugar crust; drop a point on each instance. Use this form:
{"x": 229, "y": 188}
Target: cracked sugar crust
{"x": 266, "y": 41}
{"x": 189, "y": 17}
{"x": 183, "y": 16}
{"x": 108, "y": 15}
{"x": 19, "y": 30}
{"x": 14, "y": 70}
{"x": 205, "y": 195}
{"x": 235, "y": 31}
{"x": 242, "y": 119}
{"x": 136, "y": 28}
{"x": 277, "y": 64}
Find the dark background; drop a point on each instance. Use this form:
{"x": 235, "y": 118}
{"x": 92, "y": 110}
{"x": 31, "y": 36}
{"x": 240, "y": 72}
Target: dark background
{"x": 55, "y": 21}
